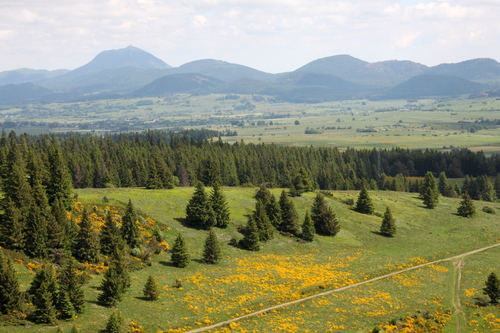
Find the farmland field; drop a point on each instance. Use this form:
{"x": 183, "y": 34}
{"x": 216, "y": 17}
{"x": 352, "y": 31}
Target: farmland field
{"x": 286, "y": 269}
{"x": 435, "y": 124}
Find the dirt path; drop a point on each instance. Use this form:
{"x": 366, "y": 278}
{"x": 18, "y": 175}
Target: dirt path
{"x": 227, "y": 322}
{"x": 457, "y": 302}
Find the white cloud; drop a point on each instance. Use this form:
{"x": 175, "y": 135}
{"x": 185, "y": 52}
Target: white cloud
{"x": 272, "y": 35}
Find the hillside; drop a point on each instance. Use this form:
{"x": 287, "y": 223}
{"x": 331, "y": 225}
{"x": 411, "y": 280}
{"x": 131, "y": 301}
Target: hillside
{"x": 481, "y": 70}
{"x": 23, "y": 93}
{"x": 177, "y": 83}
{"x": 433, "y": 85}
{"x": 339, "y": 65}
{"x": 24, "y": 75}
{"x": 286, "y": 269}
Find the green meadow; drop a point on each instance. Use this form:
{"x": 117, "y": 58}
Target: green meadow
{"x": 287, "y": 269}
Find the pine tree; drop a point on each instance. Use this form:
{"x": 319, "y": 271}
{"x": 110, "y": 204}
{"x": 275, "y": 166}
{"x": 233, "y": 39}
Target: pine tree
{"x": 492, "y": 288}
{"x": 271, "y": 205}
{"x": 180, "y": 255}
{"x": 64, "y": 305}
{"x": 68, "y": 226}
{"x": 11, "y": 297}
{"x": 308, "y": 229}
{"x": 486, "y": 189}
{"x": 497, "y": 185}
{"x": 466, "y": 208}
{"x": 59, "y": 184}
{"x": 115, "y": 323}
{"x": 12, "y": 226}
{"x": 212, "y": 251}
{"x": 445, "y": 188}
{"x": 289, "y": 216}
{"x": 71, "y": 282}
{"x": 112, "y": 288}
{"x": 301, "y": 183}
{"x": 430, "y": 193}
{"x": 183, "y": 176}
{"x": 87, "y": 245}
{"x": 324, "y": 218}
{"x": 37, "y": 240}
{"x": 130, "y": 230}
{"x": 219, "y": 205}
{"x": 151, "y": 290}
{"x": 199, "y": 211}
{"x": 250, "y": 240}
{"x": 364, "y": 203}
{"x": 388, "y": 226}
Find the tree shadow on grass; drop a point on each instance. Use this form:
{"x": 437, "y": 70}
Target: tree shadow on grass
{"x": 382, "y": 234}
{"x": 167, "y": 263}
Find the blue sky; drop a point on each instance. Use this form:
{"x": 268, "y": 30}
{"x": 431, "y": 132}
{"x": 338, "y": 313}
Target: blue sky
{"x": 269, "y": 35}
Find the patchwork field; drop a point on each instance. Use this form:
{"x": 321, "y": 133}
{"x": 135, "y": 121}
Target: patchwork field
{"x": 286, "y": 269}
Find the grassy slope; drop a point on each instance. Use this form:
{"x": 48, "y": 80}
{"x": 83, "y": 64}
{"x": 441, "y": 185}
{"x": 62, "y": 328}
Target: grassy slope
{"x": 285, "y": 269}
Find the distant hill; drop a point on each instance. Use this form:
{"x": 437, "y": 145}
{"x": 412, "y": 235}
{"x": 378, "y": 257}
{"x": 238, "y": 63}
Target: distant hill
{"x": 222, "y": 70}
{"x": 433, "y": 85}
{"x": 24, "y": 75}
{"x": 22, "y": 93}
{"x": 338, "y": 65}
{"x": 387, "y": 73}
{"x": 245, "y": 86}
{"x": 481, "y": 70}
{"x": 178, "y": 83}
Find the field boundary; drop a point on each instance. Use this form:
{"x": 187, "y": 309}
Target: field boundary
{"x": 227, "y": 322}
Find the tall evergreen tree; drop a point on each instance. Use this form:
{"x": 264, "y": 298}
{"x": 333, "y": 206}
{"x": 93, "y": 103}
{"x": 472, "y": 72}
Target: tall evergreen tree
{"x": 289, "y": 216}
{"x": 364, "y": 203}
{"x": 116, "y": 279}
{"x": 44, "y": 293}
{"x": 325, "y": 220}
{"x": 151, "y": 290}
{"x": 219, "y": 205}
{"x": 12, "y": 226}
{"x": 486, "y": 189}
{"x": 111, "y": 236}
{"x": 266, "y": 229}
{"x": 130, "y": 230}
{"x": 199, "y": 211}
{"x": 466, "y": 208}
{"x": 37, "y": 240}
{"x": 212, "y": 251}
{"x": 430, "y": 193}
{"x": 87, "y": 245}
{"x": 445, "y": 188}
{"x": 11, "y": 297}
{"x": 180, "y": 255}
{"x": 183, "y": 176}
{"x": 308, "y": 229}
{"x": 271, "y": 205}
{"x": 72, "y": 282}
{"x": 250, "y": 240}
{"x": 496, "y": 185}
{"x": 492, "y": 288}
{"x": 59, "y": 184}
{"x": 388, "y": 226}
{"x": 68, "y": 226}
{"x": 301, "y": 183}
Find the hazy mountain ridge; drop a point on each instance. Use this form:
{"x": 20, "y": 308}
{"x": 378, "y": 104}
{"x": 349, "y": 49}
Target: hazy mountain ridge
{"x": 135, "y": 72}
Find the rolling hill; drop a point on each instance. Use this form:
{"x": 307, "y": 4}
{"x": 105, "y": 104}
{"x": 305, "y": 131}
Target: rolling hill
{"x": 177, "y": 83}
{"x": 23, "y": 75}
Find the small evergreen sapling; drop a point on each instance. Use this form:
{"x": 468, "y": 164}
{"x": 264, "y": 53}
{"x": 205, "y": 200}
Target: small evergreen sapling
{"x": 364, "y": 204}
{"x": 180, "y": 255}
{"x": 492, "y": 288}
{"x": 388, "y": 226}
{"x": 308, "y": 229}
{"x": 466, "y": 208}
{"x": 115, "y": 323}
{"x": 212, "y": 251}
{"x": 151, "y": 290}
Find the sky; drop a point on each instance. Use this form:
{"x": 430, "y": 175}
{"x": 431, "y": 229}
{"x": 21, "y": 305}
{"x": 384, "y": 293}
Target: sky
{"x": 269, "y": 35}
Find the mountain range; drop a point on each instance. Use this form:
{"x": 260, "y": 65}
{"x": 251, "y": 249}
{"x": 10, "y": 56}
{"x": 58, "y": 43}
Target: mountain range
{"x": 132, "y": 72}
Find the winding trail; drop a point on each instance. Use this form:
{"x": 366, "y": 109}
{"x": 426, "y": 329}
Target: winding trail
{"x": 227, "y": 322}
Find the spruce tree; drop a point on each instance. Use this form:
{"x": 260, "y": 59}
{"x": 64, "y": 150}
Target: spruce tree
{"x": 301, "y": 183}
{"x": 466, "y": 208}
{"x": 492, "y": 288}
{"x": 116, "y": 279}
{"x": 430, "y": 193}
{"x": 37, "y": 240}
{"x": 12, "y": 226}
{"x": 87, "y": 245}
{"x": 115, "y": 323}
{"x": 212, "y": 251}
{"x": 364, "y": 203}
{"x": 388, "y": 226}
{"x": 151, "y": 290}
{"x": 308, "y": 229}
{"x": 289, "y": 216}
{"x": 219, "y": 205}
{"x": 180, "y": 255}
{"x": 325, "y": 220}
{"x": 271, "y": 205}
{"x": 266, "y": 229}
{"x": 486, "y": 189}
{"x": 130, "y": 230}
{"x": 64, "y": 305}
{"x": 11, "y": 297}
{"x": 250, "y": 240}
{"x": 71, "y": 283}
{"x": 199, "y": 211}
{"x": 59, "y": 184}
